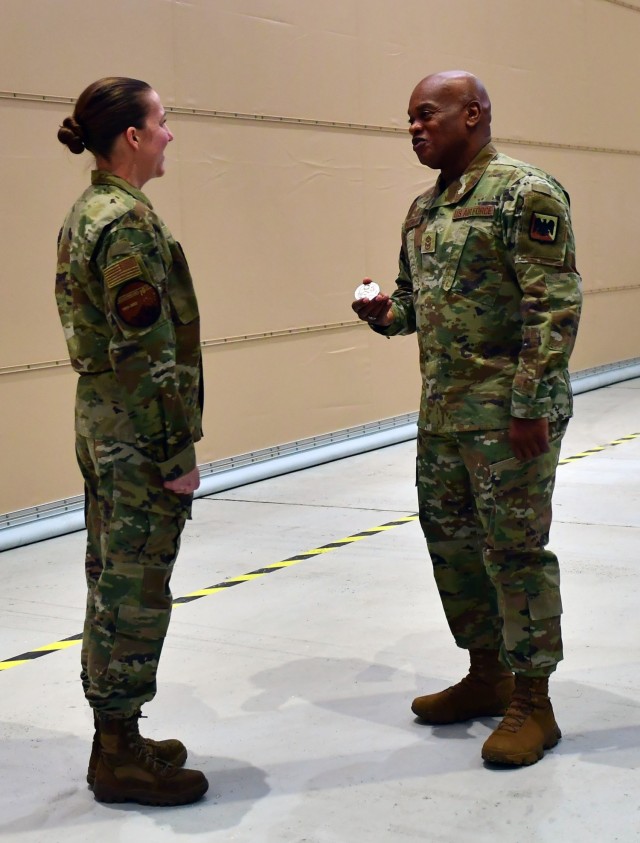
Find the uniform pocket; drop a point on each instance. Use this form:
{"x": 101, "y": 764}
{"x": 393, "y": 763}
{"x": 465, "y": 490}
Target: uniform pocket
{"x": 139, "y": 623}
{"x": 520, "y": 501}
{"x": 451, "y": 254}
{"x": 473, "y": 271}
{"x": 543, "y": 233}
{"x": 184, "y": 304}
{"x": 547, "y": 604}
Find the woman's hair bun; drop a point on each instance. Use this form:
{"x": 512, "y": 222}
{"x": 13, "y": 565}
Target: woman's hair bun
{"x": 103, "y": 111}
{"x": 71, "y": 135}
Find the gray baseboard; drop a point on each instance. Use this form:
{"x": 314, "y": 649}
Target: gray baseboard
{"x": 66, "y": 516}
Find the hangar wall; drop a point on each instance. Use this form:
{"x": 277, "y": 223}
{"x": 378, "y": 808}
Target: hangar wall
{"x": 287, "y": 181}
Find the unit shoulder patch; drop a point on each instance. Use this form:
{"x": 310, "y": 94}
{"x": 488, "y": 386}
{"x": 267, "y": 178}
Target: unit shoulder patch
{"x": 138, "y": 304}
{"x": 543, "y": 227}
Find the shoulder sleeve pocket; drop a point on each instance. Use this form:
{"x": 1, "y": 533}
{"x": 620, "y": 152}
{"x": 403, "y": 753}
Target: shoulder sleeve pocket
{"x": 133, "y": 297}
{"x": 542, "y": 236}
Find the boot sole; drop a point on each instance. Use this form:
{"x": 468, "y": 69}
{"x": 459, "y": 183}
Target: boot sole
{"x": 106, "y": 794}
{"x": 431, "y": 720}
{"x": 523, "y": 759}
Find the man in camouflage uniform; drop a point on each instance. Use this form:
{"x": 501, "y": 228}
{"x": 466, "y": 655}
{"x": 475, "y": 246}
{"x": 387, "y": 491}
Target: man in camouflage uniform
{"x": 130, "y": 317}
{"x": 488, "y": 282}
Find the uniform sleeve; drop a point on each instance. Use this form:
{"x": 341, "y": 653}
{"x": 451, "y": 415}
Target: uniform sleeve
{"x": 542, "y": 249}
{"x": 134, "y": 263}
{"x": 404, "y": 315}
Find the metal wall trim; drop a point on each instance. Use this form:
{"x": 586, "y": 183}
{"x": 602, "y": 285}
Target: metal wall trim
{"x": 358, "y": 438}
{"x": 65, "y": 516}
{"x": 321, "y": 124}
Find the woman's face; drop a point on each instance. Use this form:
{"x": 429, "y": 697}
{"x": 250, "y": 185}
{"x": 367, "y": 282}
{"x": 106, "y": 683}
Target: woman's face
{"x": 152, "y": 140}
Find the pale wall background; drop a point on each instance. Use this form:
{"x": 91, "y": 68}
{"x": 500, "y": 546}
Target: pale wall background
{"x": 282, "y": 217}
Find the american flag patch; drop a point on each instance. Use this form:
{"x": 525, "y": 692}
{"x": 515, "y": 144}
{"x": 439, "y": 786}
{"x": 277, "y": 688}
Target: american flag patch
{"x": 122, "y": 270}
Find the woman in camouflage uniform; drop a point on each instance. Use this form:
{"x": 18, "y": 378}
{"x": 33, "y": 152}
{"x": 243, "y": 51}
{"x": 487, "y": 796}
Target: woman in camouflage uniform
{"x": 130, "y": 318}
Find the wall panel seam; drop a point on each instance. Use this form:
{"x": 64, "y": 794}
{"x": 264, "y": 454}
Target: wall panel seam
{"x": 624, "y": 5}
{"x": 327, "y": 124}
{"x": 21, "y": 368}
{"x": 206, "y": 343}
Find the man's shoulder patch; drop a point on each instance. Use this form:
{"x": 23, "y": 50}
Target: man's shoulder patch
{"x": 543, "y": 227}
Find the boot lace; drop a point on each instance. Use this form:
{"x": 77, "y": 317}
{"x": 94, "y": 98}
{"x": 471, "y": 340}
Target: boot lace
{"x": 143, "y": 753}
{"x": 519, "y": 709}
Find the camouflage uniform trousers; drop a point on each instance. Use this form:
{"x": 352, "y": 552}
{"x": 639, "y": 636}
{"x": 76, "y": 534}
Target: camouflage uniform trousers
{"x": 486, "y": 518}
{"x": 133, "y": 537}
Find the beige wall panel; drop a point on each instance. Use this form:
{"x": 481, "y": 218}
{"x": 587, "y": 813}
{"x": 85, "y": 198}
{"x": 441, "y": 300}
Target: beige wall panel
{"x": 612, "y": 40}
{"x": 37, "y": 454}
{"x": 281, "y": 221}
{"x": 281, "y": 57}
{"x": 285, "y": 221}
{"x": 57, "y": 47}
{"x": 275, "y": 391}
{"x": 257, "y": 395}
{"x": 608, "y": 329}
{"x": 38, "y": 181}
{"x": 289, "y": 58}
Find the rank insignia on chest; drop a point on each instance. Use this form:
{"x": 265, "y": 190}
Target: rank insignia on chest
{"x": 543, "y": 227}
{"x": 428, "y": 245}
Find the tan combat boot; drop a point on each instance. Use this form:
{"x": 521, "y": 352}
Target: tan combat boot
{"x": 171, "y": 751}
{"x": 527, "y": 729}
{"x": 484, "y": 692}
{"x": 128, "y": 772}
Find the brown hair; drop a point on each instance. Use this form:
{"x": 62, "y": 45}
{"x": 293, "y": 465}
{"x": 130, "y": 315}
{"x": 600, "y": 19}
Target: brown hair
{"x": 104, "y": 110}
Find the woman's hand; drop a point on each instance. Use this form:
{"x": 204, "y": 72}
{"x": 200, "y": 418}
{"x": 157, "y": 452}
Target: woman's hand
{"x": 185, "y": 485}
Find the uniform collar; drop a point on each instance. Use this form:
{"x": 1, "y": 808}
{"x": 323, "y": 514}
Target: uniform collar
{"x": 459, "y": 188}
{"x": 104, "y": 177}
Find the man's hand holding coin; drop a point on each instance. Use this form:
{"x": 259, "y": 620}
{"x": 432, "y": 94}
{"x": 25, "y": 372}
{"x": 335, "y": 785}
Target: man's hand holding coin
{"x": 371, "y": 305}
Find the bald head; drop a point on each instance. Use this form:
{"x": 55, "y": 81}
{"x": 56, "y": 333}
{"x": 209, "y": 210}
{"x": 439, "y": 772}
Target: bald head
{"x": 458, "y": 86}
{"x": 450, "y": 120}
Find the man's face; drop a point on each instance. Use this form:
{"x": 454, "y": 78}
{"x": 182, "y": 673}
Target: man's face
{"x": 438, "y": 126}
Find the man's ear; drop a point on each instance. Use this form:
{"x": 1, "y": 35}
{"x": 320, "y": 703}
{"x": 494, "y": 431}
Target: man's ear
{"x": 474, "y": 113}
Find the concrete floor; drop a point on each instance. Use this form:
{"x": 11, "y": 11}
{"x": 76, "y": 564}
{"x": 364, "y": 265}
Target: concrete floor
{"x": 292, "y": 689}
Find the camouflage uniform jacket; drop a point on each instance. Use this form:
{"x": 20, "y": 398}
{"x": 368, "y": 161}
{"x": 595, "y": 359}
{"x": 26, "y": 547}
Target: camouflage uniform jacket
{"x": 488, "y": 281}
{"x": 130, "y": 318}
